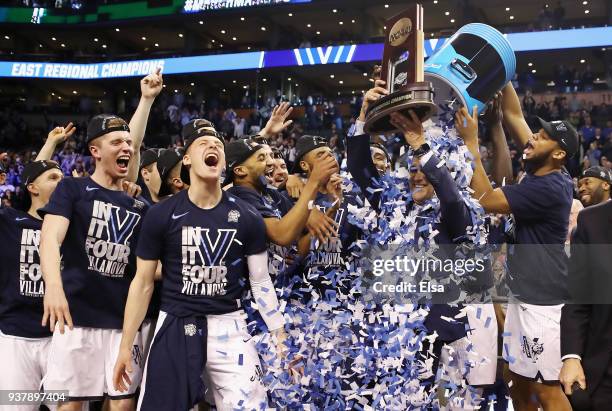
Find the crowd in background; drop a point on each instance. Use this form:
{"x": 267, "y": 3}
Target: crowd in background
{"x": 20, "y": 141}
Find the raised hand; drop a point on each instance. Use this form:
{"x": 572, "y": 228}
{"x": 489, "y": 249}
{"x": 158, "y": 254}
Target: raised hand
{"x": 411, "y": 127}
{"x": 278, "y": 120}
{"x": 467, "y": 127}
{"x": 373, "y": 94}
{"x": 60, "y": 134}
{"x": 494, "y": 113}
{"x": 152, "y": 85}
{"x": 323, "y": 170}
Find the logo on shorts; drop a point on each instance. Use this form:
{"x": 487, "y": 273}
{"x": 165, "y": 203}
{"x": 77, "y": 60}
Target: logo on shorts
{"x": 136, "y": 355}
{"x": 258, "y": 374}
{"x": 233, "y": 216}
{"x": 190, "y": 330}
{"x": 532, "y": 348}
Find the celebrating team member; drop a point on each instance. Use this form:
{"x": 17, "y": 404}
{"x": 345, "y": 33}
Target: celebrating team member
{"x": 247, "y": 164}
{"x": 541, "y": 206}
{"x": 594, "y": 186}
{"x": 279, "y": 173}
{"x": 149, "y": 178}
{"x": 94, "y": 225}
{"x": 24, "y": 342}
{"x": 206, "y": 240}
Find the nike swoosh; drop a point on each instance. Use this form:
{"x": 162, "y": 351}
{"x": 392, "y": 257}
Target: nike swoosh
{"x": 91, "y": 188}
{"x": 20, "y": 218}
{"x": 176, "y": 217}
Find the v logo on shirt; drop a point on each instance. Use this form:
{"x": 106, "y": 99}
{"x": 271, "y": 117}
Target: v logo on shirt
{"x": 211, "y": 248}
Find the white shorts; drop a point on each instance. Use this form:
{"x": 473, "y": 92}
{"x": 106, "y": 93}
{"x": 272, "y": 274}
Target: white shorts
{"x": 24, "y": 363}
{"x": 482, "y": 355}
{"x": 147, "y": 329}
{"x": 532, "y": 340}
{"x": 82, "y": 361}
{"x": 233, "y": 373}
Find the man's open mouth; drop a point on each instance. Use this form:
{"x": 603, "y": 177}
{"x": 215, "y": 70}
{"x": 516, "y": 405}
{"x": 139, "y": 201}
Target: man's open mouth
{"x": 123, "y": 161}
{"x": 211, "y": 159}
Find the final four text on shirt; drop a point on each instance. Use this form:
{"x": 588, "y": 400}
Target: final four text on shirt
{"x": 204, "y": 271}
{"x": 30, "y": 275}
{"x": 107, "y": 243}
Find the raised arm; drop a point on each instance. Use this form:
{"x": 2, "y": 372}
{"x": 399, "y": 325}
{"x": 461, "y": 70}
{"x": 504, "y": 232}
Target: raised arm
{"x": 150, "y": 87}
{"x": 502, "y": 165}
{"x": 453, "y": 209}
{"x": 513, "y": 116}
{"x": 56, "y": 308}
{"x": 55, "y": 137}
{"x": 278, "y": 120}
{"x": 358, "y": 156}
{"x": 139, "y": 297}
{"x": 285, "y": 231}
{"x": 492, "y": 200}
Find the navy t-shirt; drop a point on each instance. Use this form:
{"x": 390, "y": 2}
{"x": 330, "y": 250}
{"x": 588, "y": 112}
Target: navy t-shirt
{"x": 203, "y": 252}
{"x": 325, "y": 262}
{"x": 537, "y": 262}
{"x": 98, "y": 250}
{"x": 269, "y": 204}
{"x": 21, "y": 284}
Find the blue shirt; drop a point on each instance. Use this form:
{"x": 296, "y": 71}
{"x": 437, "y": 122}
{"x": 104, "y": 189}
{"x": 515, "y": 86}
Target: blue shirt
{"x": 270, "y": 204}
{"x": 21, "y": 285}
{"x": 537, "y": 263}
{"x": 99, "y": 262}
{"x": 203, "y": 252}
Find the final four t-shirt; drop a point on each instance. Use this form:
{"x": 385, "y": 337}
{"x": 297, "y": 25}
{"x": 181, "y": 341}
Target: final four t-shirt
{"x": 21, "y": 284}
{"x": 98, "y": 250}
{"x": 203, "y": 252}
{"x": 269, "y": 204}
{"x": 326, "y": 264}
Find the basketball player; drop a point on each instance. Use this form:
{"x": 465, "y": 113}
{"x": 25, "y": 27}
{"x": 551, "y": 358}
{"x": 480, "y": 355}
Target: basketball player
{"x": 537, "y": 278}
{"x": 24, "y": 342}
{"x": 94, "y": 225}
{"x": 207, "y": 241}
{"x": 247, "y": 164}
{"x": 149, "y": 178}
{"x": 280, "y": 173}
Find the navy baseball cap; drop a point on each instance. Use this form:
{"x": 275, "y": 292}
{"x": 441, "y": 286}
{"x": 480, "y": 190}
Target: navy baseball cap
{"x": 197, "y": 128}
{"x": 31, "y": 171}
{"x": 148, "y": 157}
{"x": 104, "y": 124}
{"x": 167, "y": 160}
{"x": 305, "y": 145}
{"x": 563, "y": 133}
{"x": 236, "y": 153}
{"x": 599, "y": 172}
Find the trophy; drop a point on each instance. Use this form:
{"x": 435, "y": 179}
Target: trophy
{"x": 402, "y": 69}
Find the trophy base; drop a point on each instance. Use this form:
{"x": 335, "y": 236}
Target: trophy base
{"x": 417, "y": 97}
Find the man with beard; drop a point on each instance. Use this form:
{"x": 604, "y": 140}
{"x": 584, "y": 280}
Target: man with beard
{"x": 279, "y": 173}
{"x": 594, "y": 186}
{"x": 537, "y": 262}
{"x": 247, "y": 166}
